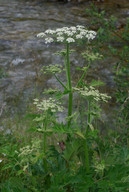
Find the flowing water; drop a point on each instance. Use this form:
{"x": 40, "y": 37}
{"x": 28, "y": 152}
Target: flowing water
{"x": 22, "y": 54}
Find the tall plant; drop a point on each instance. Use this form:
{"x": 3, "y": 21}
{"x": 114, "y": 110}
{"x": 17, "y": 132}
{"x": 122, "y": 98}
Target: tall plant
{"x": 68, "y": 36}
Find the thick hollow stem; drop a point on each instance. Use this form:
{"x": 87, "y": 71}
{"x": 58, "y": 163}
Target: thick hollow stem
{"x": 65, "y": 63}
{"x": 68, "y": 69}
{"x": 86, "y": 157}
{"x": 89, "y": 117}
{"x": 69, "y": 87}
{"x": 85, "y": 144}
{"x": 44, "y": 145}
{"x": 70, "y": 108}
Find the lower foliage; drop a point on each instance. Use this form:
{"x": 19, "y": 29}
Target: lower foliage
{"x": 25, "y": 172}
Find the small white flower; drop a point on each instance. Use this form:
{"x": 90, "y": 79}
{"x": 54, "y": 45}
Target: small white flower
{"x": 60, "y": 39}
{"x": 80, "y": 27}
{"x": 53, "y": 110}
{"x": 74, "y": 32}
{"x": 68, "y": 33}
{"x": 65, "y": 28}
{"x": 73, "y": 28}
{"x": 8, "y": 132}
{"x": 59, "y": 30}
{"x": 70, "y": 40}
{"x": 93, "y": 32}
{"x": 59, "y": 33}
{"x": 79, "y": 36}
{"x": 41, "y": 35}
{"x": 90, "y": 36}
{"x": 49, "y": 40}
{"x": 49, "y": 31}
{"x": 1, "y": 160}
{"x": 83, "y": 32}
{"x": 4, "y": 154}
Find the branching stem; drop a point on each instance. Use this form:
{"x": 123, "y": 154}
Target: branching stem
{"x": 83, "y": 75}
{"x": 60, "y": 82}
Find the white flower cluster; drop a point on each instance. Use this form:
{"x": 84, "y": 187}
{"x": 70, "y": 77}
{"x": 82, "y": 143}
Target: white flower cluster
{"x": 91, "y": 56}
{"x": 53, "y": 69}
{"x": 49, "y": 40}
{"x": 60, "y": 39}
{"x": 28, "y": 154}
{"x": 93, "y": 93}
{"x": 70, "y": 40}
{"x": 48, "y": 104}
{"x": 67, "y": 34}
{"x": 25, "y": 151}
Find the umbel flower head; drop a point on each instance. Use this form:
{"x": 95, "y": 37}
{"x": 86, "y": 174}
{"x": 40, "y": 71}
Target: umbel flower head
{"x": 48, "y": 104}
{"x": 67, "y": 34}
{"x": 52, "y": 69}
{"x": 91, "y": 92}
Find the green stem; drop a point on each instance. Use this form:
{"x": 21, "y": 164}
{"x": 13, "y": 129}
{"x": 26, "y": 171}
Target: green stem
{"x": 89, "y": 117}
{"x": 85, "y": 144}
{"x": 83, "y": 75}
{"x": 66, "y": 68}
{"x": 86, "y": 157}
{"x": 60, "y": 82}
{"x": 69, "y": 87}
{"x": 70, "y": 108}
{"x": 44, "y": 145}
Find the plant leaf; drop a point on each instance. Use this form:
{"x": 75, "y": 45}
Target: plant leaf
{"x": 80, "y": 135}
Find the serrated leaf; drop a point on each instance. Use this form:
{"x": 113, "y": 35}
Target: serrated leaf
{"x": 31, "y": 116}
{"x": 7, "y": 166}
{"x": 96, "y": 83}
{"x": 80, "y": 135}
{"x": 20, "y": 172}
{"x": 32, "y": 129}
{"x": 78, "y": 68}
{"x": 66, "y": 92}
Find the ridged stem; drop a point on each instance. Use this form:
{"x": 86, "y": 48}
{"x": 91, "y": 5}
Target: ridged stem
{"x": 86, "y": 157}
{"x": 69, "y": 87}
{"x": 89, "y": 117}
{"x": 86, "y": 134}
{"x": 44, "y": 145}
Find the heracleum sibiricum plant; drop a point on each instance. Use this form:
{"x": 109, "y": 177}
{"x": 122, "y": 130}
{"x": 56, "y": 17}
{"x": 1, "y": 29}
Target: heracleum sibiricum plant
{"x": 68, "y": 36}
